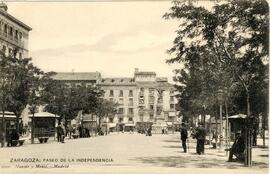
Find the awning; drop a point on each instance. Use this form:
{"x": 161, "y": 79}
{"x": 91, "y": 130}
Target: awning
{"x": 238, "y": 116}
{"x": 130, "y": 125}
{"x": 110, "y": 125}
{"x": 169, "y": 123}
{"x": 172, "y": 114}
{"x": 43, "y": 114}
{"x": 8, "y": 115}
{"x": 159, "y": 125}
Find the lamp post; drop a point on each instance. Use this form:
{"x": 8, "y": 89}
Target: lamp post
{"x": 220, "y": 100}
{"x": 227, "y": 133}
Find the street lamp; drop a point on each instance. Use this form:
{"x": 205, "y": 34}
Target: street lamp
{"x": 220, "y": 101}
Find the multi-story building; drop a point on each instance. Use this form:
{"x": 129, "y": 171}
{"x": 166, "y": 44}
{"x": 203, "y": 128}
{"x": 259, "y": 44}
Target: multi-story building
{"x": 78, "y": 78}
{"x": 14, "y": 34}
{"x": 143, "y": 100}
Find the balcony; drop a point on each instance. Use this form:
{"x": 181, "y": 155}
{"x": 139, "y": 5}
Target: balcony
{"x": 11, "y": 39}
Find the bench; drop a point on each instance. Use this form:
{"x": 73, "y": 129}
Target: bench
{"x": 17, "y": 142}
{"x": 43, "y": 139}
{"x": 75, "y": 136}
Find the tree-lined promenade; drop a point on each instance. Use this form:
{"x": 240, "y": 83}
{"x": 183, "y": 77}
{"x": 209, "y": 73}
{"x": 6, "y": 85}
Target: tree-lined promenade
{"x": 25, "y": 86}
{"x": 224, "y": 50}
{"x": 125, "y": 151}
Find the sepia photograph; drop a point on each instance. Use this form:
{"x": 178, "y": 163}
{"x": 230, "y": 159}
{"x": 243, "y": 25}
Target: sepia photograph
{"x": 134, "y": 86}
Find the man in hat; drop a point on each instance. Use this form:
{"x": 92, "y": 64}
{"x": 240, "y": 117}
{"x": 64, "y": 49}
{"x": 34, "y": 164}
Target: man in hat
{"x": 184, "y": 136}
{"x": 200, "y": 134}
{"x": 238, "y": 148}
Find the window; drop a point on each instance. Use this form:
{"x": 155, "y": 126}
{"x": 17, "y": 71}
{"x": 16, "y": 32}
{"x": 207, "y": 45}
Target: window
{"x": 171, "y": 92}
{"x": 159, "y": 110}
{"x": 10, "y": 31}
{"x": 121, "y": 94}
{"x": 16, "y": 34}
{"x": 130, "y": 119}
{"x": 5, "y": 28}
{"x": 130, "y": 101}
{"x": 141, "y": 92}
{"x": 151, "y": 99}
{"x": 121, "y": 111}
{"x": 151, "y": 91}
{"x": 130, "y": 94}
{"x": 141, "y": 117}
{"x": 130, "y": 110}
{"x": 111, "y": 120}
{"x": 151, "y": 107}
{"x": 121, "y": 101}
{"x": 111, "y": 93}
{"x": 171, "y": 98}
{"x": 20, "y": 55}
{"x": 151, "y": 116}
{"x": 10, "y": 51}
{"x": 171, "y": 106}
{"x": 111, "y": 99}
{"x": 120, "y": 120}
{"x": 141, "y": 101}
{"x": 4, "y": 48}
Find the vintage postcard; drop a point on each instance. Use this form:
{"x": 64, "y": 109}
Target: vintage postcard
{"x": 134, "y": 86}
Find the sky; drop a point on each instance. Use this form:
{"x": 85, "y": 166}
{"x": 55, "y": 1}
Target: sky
{"x": 113, "y": 38}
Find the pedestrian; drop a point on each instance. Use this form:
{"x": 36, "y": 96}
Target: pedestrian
{"x": 63, "y": 133}
{"x": 149, "y": 131}
{"x": 184, "y": 136}
{"x": 200, "y": 134}
{"x": 70, "y": 130}
{"x": 58, "y": 131}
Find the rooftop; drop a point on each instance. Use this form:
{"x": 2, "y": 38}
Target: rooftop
{"x": 85, "y": 76}
{"x": 117, "y": 81}
{"x": 144, "y": 73}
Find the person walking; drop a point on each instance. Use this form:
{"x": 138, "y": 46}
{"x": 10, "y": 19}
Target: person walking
{"x": 184, "y": 136}
{"x": 200, "y": 134}
{"x": 58, "y": 130}
{"x": 63, "y": 133}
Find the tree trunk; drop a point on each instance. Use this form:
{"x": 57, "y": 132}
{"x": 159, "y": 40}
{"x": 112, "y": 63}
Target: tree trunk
{"x": 263, "y": 129}
{"x": 17, "y": 123}
{"x": 216, "y": 138}
{"x": 3, "y": 128}
{"x": 33, "y": 129}
{"x": 248, "y": 139}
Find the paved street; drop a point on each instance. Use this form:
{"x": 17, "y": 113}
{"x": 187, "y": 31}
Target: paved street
{"x": 122, "y": 150}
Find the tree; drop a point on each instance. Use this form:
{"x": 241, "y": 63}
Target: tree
{"x": 17, "y": 78}
{"x": 25, "y": 75}
{"x": 228, "y": 42}
{"x": 104, "y": 109}
{"x": 6, "y": 78}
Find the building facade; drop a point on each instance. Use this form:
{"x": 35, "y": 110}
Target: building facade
{"x": 143, "y": 99}
{"x": 14, "y": 34}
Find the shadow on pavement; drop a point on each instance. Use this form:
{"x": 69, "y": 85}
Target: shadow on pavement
{"x": 197, "y": 162}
